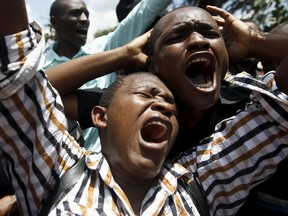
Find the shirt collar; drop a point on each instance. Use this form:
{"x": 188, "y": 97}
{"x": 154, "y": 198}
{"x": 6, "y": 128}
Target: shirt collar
{"x": 168, "y": 176}
{"x": 52, "y": 55}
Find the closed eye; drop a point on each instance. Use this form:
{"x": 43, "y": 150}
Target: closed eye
{"x": 145, "y": 95}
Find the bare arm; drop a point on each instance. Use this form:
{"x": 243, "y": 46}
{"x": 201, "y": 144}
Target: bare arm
{"x": 69, "y": 76}
{"x": 76, "y": 72}
{"x": 13, "y": 17}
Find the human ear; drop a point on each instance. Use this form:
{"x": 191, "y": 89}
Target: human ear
{"x": 99, "y": 116}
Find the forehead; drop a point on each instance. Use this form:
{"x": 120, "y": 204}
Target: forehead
{"x": 187, "y": 14}
{"x": 137, "y": 81}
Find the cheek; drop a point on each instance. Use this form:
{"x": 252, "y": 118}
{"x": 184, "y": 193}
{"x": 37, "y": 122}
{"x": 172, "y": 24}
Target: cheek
{"x": 167, "y": 59}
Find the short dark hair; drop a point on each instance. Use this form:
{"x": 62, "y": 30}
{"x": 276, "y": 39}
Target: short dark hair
{"x": 54, "y": 9}
{"x": 109, "y": 92}
{"x": 112, "y": 89}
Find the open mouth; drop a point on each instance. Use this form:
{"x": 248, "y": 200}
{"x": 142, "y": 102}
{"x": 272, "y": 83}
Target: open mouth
{"x": 200, "y": 72}
{"x": 82, "y": 32}
{"x": 155, "y": 132}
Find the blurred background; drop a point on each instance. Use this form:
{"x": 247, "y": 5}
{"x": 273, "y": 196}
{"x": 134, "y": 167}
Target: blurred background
{"x": 103, "y": 19}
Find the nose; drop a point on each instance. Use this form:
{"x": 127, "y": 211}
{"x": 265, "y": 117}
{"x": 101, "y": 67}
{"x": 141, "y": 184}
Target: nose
{"x": 197, "y": 41}
{"x": 164, "y": 107}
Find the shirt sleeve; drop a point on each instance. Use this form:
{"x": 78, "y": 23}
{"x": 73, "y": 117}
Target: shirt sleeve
{"x": 33, "y": 134}
{"x": 14, "y": 49}
{"x": 136, "y": 22}
{"x": 244, "y": 150}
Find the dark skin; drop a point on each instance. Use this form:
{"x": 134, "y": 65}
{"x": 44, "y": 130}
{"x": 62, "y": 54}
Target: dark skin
{"x": 191, "y": 41}
{"x": 192, "y": 36}
{"x": 70, "y": 19}
{"x": 267, "y": 63}
{"x": 175, "y": 48}
{"x": 14, "y": 24}
{"x": 248, "y": 65}
{"x": 136, "y": 153}
{"x": 282, "y": 67}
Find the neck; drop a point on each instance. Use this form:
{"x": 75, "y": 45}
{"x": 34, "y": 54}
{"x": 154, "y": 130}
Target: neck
{"x": 190, "y": 117}
{"x": 134, "y": 189}
{"x": 194, "y": 125}
{"x": 68, "y": 50}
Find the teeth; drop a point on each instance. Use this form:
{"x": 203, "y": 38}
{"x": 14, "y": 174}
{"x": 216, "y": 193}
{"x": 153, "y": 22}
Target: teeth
{"x": 200, "y": 60}
{"x": 155, "y": 123}
{"x": 204, "y": 85}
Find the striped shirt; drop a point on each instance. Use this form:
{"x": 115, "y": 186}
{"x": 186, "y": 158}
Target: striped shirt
{"x": 243, "y": 151}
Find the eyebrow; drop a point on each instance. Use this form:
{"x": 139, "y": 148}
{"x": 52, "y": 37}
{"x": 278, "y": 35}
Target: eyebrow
{"x": 195, "y": 24}
{"x": 143, "y": 85}
{"x": 205, "y": 25}
{"x": 179, "y": 27}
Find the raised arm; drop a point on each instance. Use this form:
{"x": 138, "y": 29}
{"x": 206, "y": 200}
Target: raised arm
{"x": 78, "y": 71}
{"x": 32, "y": 127}
{"x": 138, "y": 21}
{"x": 243, "y": 41}
{"x": 15, "y": 11}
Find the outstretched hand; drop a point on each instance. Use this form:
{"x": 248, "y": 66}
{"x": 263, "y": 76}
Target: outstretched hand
{"x": 238, "y": 35}
{"x": 136, "y": 49}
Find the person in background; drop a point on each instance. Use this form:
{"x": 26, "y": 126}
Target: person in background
{"x": 70, "y": 19}
{"x": 269, "y": 65}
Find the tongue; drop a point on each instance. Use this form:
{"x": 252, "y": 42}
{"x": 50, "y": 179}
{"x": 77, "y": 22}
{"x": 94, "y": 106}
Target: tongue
{"x": 202, "y": 81}
{"x": 154, "y": 133}
{"x": 199, "y": 79}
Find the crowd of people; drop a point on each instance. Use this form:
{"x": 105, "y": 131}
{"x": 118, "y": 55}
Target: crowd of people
{"x": 152, "y": 133}
{"x": 70, "y": 19}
